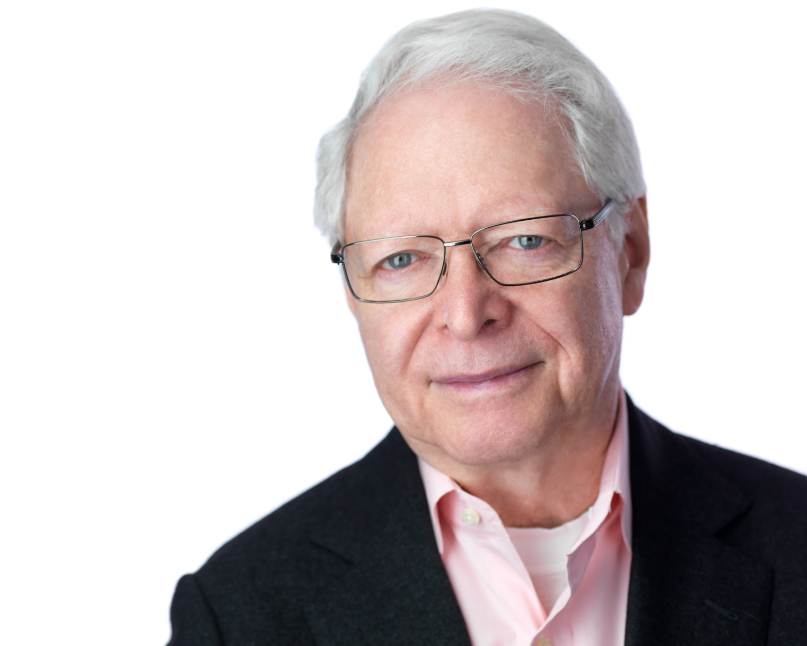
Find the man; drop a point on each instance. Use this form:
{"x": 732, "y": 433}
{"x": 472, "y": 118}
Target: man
{"x": 485, "y": 202}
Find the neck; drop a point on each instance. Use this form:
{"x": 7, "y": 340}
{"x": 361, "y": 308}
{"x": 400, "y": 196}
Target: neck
{"x": 547, "y": 488}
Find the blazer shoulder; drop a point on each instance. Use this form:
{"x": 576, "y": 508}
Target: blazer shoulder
{"x": 341, "y": 500}
{"x": 703, "y": 478}
{"x": 777, "y": 488}
{"x": 257, "y": 585}
{"x": 758, "y": 479}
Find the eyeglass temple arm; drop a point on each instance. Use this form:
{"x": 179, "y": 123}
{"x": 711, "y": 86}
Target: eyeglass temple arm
{"x": 336, "y": 257}
{"x": 592, "y": 222}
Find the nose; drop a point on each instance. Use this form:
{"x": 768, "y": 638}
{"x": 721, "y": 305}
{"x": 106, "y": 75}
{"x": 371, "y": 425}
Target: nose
{"x": 468, "y": 302}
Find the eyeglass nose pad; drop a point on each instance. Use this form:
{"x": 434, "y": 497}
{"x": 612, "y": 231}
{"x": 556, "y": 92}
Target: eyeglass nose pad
{"x": 443, "y": 272}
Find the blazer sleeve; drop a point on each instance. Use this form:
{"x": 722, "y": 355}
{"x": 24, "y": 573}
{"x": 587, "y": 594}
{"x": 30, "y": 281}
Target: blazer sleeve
{"x": 192, "y": 620}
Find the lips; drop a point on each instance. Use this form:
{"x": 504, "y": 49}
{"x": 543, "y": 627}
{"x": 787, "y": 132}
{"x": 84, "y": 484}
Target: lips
{"x": 490, "y": 377}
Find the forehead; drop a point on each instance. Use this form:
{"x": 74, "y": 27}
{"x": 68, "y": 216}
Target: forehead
{"x": 448, "y": 161}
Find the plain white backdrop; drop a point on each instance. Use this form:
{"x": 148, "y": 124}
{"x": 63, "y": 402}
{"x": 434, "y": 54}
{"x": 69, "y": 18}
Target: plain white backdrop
{"x": 176, "y": 355}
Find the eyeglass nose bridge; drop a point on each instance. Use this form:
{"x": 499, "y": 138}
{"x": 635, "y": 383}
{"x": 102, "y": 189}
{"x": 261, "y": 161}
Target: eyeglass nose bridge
{"x": 460, "y": 243}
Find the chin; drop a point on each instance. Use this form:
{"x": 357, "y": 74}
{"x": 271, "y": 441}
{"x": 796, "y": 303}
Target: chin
{"x": 501, "y": 428}
{"x": 481, "y": 441}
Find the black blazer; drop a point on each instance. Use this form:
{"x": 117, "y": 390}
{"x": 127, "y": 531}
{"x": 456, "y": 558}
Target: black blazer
{"x": 719, "y": 557}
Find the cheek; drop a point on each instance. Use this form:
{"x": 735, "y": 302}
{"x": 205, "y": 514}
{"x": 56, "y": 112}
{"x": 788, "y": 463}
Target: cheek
{"x": 583, "y": 316}
{"x": 390, "y": 337}
{"x": 598, "y": 308}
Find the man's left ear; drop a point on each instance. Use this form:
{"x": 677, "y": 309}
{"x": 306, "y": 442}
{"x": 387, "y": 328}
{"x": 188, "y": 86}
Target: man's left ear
{"x": 635, "y": 256}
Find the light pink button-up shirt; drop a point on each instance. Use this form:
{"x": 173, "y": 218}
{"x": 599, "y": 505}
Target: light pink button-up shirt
{"x": 493, "y": 585}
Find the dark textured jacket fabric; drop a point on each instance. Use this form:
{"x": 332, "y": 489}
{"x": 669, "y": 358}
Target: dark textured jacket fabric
{"x": 719, "y": 557}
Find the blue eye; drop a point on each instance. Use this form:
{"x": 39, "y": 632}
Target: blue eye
{"x": 526, "y": 242}
{"x": 398, "y": 261}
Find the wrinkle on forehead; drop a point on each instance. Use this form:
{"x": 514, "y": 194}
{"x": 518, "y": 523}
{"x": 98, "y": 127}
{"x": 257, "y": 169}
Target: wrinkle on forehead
{"x": 440, "y": 149}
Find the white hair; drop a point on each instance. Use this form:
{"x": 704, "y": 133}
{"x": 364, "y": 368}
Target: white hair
{"x": 517, "y": 54}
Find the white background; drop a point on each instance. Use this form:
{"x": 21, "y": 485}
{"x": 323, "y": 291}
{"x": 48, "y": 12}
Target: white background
{"x": 176, "y": 356}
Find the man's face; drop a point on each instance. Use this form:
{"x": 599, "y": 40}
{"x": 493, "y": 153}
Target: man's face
{"x": 479, "y": 373}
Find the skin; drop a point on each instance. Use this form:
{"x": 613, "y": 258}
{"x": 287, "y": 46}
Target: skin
{"x": 511, "y": 391}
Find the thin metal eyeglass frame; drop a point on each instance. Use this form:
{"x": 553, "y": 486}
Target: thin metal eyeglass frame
{"x": 337, "y": 252}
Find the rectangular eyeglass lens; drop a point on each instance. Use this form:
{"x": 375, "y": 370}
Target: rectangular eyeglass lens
{"x": 532, "y": 250}
{"x": 394, "y": 269}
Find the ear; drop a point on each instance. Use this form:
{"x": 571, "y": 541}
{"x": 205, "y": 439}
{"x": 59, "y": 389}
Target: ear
{"x": 635, "y": 256}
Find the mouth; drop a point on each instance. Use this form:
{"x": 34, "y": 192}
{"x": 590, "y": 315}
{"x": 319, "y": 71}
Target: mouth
{"x": 492, "y": 379}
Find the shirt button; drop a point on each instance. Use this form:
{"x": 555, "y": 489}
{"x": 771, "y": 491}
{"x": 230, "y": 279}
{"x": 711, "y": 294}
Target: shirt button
{"x": 470, "y": 517}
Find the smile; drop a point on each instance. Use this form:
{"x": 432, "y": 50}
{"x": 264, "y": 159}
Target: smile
{"x": 493, "y": 379}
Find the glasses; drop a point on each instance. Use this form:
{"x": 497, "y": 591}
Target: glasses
{"x": 521, "y": 252}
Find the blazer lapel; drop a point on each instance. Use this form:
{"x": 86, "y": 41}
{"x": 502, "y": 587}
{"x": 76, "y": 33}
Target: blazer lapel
{"x": 396, "y": 590}
{"x": 686, "y": 585}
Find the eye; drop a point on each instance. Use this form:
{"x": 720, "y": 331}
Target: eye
{"x": 526, "y": 242}
{"x": 398, "y": 261}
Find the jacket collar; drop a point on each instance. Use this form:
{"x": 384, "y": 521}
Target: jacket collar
{"x": 397, "y": 590}
{"x": 685, "y": 583}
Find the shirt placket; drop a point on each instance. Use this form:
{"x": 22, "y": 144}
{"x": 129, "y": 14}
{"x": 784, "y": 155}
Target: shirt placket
{"x": 500, "y": 566}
